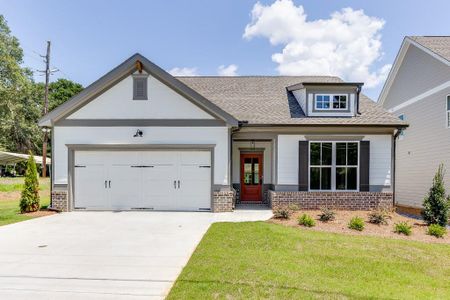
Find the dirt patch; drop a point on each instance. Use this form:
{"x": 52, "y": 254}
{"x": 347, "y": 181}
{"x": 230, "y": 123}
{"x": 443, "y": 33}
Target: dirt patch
{"x": 340, "y": 225}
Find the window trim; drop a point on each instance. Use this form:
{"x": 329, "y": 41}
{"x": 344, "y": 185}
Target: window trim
{"x": 331, "y": 102}
{"x": 145, "y": 79}
{"x": 333, "y": 166}
{"x": 447, "y": 111}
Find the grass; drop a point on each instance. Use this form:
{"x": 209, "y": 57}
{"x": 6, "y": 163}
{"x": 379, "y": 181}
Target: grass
{"x": 258, "y": 260}
{"x": 10, "y": 189}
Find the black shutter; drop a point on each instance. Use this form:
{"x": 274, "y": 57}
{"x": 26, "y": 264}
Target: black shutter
{"x": 364, "y": 166}
{"x": 303, "y": 153}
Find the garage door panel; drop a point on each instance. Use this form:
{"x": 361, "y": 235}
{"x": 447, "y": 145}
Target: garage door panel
{"x": 158, "y": 186}
{"x": 91, "y": 157}
{"x": 124, "y": 187}
{"x": 195, "y": 158}
{"x": 195, "y": 187}
{"x": 90, "y": 189}
{"x": 159, "y": 157}
{"x": 126, "y": 157}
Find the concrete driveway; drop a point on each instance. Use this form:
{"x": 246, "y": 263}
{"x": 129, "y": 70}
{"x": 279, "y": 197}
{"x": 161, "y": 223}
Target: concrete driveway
{"x": 102, "y": 255}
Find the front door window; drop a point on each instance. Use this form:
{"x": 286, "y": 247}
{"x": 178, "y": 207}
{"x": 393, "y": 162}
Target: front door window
{"x": 251, "y": 176}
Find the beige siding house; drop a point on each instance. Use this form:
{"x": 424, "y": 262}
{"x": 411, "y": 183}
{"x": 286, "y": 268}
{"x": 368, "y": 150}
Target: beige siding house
{"x": 418, "y": 91}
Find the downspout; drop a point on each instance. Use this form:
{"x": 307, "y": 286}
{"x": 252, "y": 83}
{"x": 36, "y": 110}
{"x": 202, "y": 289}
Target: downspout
{"x": 358, "y": 90}
{"x": 394, "y": 150}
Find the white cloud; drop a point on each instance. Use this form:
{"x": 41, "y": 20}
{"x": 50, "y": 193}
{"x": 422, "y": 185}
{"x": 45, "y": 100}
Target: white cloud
{"x": 183, "y": 71}
{"x": 347, "y": 44}
{"x": 230, "y": 70}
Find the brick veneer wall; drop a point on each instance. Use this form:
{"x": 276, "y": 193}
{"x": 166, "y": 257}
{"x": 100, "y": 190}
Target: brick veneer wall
{"x": 223, "y": 201}
{"x": 60, "y": 200}
{"x": 335, "y": 200}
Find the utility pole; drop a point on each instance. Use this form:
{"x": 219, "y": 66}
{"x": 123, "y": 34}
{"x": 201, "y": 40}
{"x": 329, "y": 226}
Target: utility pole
{"x": 47, "y": 80}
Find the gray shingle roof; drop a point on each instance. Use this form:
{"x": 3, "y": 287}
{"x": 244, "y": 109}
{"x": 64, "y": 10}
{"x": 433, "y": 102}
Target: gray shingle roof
{"x": 438, "y": 44}
{"x": 265, "y": 100}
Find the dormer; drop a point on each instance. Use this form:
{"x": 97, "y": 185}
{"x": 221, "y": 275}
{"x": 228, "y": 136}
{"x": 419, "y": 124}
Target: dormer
{"x": 327, "y": 99}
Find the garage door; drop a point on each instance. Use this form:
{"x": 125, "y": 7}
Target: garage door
{"x": 133, "y": 180}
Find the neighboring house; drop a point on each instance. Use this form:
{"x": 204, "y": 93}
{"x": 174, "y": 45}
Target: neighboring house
{"x": 418, "y": 91}
{"x": 139, "y": 138}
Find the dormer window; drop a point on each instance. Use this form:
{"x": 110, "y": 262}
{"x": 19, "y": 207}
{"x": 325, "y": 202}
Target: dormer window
{"x": 331, "y": 102}
{"x": 140, "y": 87}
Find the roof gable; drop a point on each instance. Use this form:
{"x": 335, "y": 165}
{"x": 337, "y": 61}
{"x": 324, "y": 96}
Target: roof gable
{"x": 437, "y": 47}
{"x": 120, "y": 73}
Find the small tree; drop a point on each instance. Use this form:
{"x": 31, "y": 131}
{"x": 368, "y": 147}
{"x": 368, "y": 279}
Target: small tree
{"x": 29, "y": 200}
{"x": 436, "y": 205}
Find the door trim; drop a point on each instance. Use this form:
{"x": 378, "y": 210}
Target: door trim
{"x": 260, "y": 154}
{"x": 130, "y": 147}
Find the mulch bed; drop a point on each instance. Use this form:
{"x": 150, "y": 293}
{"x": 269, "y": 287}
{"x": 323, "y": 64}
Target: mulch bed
{"x": 40, "y": 213}
{"x": 340, "y": 225}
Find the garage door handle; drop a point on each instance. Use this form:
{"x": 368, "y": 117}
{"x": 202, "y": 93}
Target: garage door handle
{"x": 106, "y": 182}
{"x": 178, "y": 184}
{"x": 174, "y": 184}
{"x": 109, "y": 183}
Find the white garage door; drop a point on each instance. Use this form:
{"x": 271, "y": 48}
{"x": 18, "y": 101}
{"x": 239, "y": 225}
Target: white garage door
{"x": 159, "y": 180}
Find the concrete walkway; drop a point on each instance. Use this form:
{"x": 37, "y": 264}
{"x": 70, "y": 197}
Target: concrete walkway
{"x": 103, "y": 255}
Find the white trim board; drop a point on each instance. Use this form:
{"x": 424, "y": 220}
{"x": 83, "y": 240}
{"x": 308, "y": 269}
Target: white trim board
{"x": 421, "y": 96}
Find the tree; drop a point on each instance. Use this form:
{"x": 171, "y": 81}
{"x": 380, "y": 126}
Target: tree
{"x": 436, "y": 205}
{"x": 21, "y": 99}
{"x": 29, "y": 200}
{"x": 18, "y": 107}
{"x": 62, "y": 90}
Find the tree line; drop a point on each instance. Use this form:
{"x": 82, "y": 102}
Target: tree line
{"x": 22, "y": 99}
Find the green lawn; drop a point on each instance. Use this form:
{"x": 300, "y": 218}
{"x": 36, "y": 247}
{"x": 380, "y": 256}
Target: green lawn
{"x": 10, "y": 196}
{"x": 258, "y": 260}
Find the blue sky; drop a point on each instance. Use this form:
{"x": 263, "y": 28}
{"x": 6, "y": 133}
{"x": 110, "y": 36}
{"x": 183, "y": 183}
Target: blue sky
{"x": 91, "y": 37}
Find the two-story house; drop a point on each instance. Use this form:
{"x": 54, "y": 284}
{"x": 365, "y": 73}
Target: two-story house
{"x": 418, "y": 91}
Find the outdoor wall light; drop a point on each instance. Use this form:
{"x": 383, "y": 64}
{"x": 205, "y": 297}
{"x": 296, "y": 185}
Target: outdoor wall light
{"x": 138, "y": 133}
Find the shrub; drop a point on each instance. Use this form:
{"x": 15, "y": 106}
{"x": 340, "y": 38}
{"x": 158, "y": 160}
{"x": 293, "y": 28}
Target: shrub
{"x": 306, "y": 220}
{"x": 284, "y": 212}
{"x": 29, "y": 200}
{"x": 402, "y": 228}
{"x": 327, "y": 214}
{"x": 436, "y": 205}
{"x": 379, "y": 217}
{"x": 356, "y": 223}
{"x": 436, "y": 230}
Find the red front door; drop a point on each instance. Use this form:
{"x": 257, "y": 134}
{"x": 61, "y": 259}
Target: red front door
{"x": 251, "y": 176}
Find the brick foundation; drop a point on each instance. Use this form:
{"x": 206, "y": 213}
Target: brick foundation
{"x": 335, "y": 200}
{"x": 223, "y": 201}
{"x": 60, "y": 200}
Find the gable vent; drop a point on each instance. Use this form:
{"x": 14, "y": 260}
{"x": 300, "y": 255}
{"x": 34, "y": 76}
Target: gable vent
{"x": 140, "y": 87}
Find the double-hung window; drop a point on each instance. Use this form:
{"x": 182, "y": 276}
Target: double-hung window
{"x": 331, "y": 102}
{"x": 333, "y": 166}
{"x": 320, "y": 162}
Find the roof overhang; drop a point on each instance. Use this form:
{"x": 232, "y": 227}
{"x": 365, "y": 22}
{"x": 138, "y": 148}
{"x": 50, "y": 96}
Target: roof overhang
{"x": 125, "y": 69}
{"x": 302, "y": 85}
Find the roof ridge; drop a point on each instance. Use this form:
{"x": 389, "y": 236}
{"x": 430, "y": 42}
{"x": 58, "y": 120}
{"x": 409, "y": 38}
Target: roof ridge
{"x": 256, "y": 76}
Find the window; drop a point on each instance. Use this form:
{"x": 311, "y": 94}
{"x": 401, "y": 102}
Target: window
{"x": 140, "y": 87}
{"x": 331, "y": 102}
{"x": 320, "y": 166}
{"x": 448, "y": 111}
{"x": 333, "y": 166}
